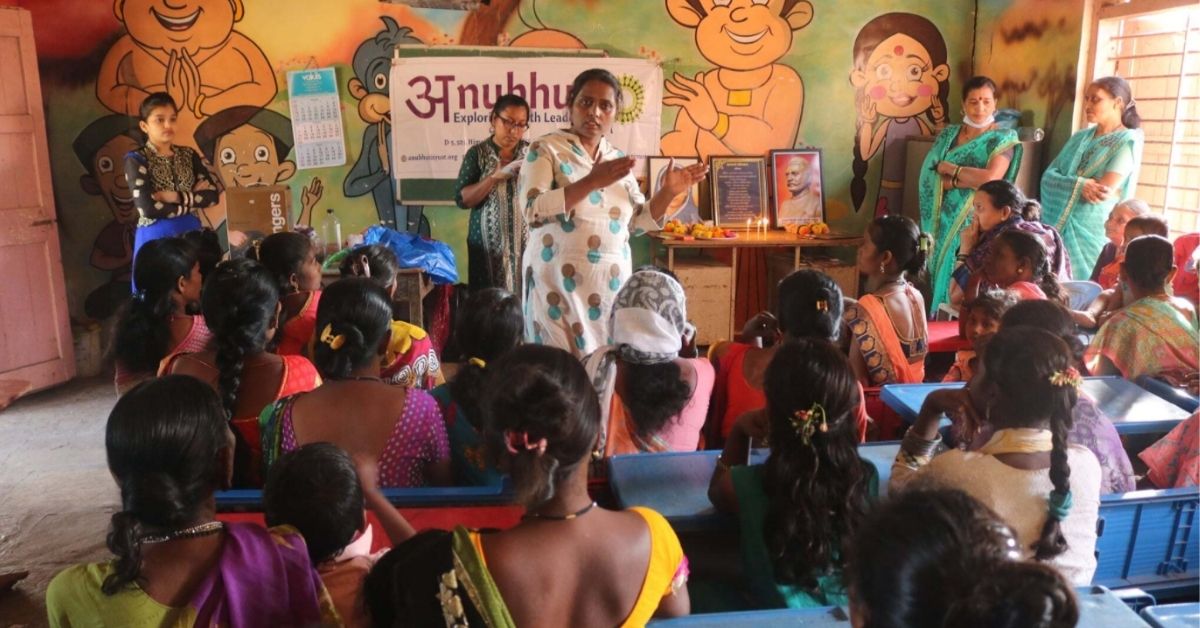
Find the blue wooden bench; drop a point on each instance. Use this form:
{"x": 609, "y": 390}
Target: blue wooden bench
{"x": 1149, "y": 540}
{"x": 251, "y": 499}
{"x": 1173, "y": 615}
{"x": 1098, "y": 608}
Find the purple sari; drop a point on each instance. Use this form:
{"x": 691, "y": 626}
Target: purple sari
{"x": 1060, "y": 262}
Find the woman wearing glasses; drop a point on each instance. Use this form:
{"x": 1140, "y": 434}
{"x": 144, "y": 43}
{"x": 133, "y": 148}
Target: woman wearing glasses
{"x": 486, "y": 185}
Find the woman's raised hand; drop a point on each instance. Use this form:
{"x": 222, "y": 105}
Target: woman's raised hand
{"x": 606, "y": 173}
{"x": 677, "y": 180}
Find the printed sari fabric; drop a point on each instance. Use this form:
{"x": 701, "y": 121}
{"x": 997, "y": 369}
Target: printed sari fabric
{"x": 263, "y": 578}
{"x": 970, "y": 276}
{"x": 1174, "y": 461}
{"x": 471, "y": 467}
{"x": 411, "y": 359}
{"x": 889, "y": 358}
{"x": 945, "y": 213}
{"x": 496, "y": 234}
{"x": 1155, "y": 336}
{"x": 756, "y": 557}
{"x": 1086, "y": 156}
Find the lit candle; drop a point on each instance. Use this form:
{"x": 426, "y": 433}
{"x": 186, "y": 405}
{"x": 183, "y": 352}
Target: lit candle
{"x": 747, "y": 227}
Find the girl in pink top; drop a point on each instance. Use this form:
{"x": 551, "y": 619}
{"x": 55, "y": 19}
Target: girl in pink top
{"x": 1019, "y": 264}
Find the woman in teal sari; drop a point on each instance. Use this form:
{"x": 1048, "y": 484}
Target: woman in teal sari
{"x": 963, "y": 157}
{"x": 1096, "y": 169}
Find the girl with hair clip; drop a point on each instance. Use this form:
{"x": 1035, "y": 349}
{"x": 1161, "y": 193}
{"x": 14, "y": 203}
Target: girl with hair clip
{"x": 810, "y": 306}
{"x": 1047, "y": 489}
{"x": 799, "y": 507}
{"x": 292, "y": 259}
{"x": 1089, "y": 426}
{"x": 487, "y": 186}
{"x": 401, "y": 428}
{"x": 650, "y": 398}
{"x": 169, "y": 183}
{"x": 1155, "y": 335}
{"x": 411, "y": 359}
{"x": 1000, "y": 207}
{"x": 931, "y": 558}
{"x": 1096, "y": 168}
{"x": 568, "y": 562}
{"x": 888, "y": 333}
{"x": 240, "y": 303}
{"x": 162, "y": 317}
{"x": 489, "y": 326}
{"x": 169, "y": 449}
{"x": 1018, "y": 264}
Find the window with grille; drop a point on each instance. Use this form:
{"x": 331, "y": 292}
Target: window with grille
{"x": 1156, "y": 47}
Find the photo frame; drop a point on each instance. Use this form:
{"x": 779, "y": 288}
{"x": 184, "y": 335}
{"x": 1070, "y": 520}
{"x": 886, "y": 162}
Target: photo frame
{"x": 686, "y": 208}
{"x": 739, "y": 190}
{"x": 798, "y": 187}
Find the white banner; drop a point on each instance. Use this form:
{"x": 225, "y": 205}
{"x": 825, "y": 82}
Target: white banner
{"x": 441, "y": 105}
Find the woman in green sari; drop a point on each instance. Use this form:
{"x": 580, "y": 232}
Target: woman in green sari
{"x": 1096, "y": 169}
{"x": 964, "y": 156}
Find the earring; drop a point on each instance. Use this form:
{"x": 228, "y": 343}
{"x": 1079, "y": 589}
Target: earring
{"x": 882, "y": 268}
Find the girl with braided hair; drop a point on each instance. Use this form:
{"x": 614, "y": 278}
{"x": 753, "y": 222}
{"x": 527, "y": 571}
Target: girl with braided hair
{"x": 240, "y": 302}
{"x": 939, "y": 558}
{"x": 169, "y": 449}
{"x": 1047, "y": 489}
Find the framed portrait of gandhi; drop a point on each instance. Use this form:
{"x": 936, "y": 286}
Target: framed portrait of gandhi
{"x": 797, "y": 187}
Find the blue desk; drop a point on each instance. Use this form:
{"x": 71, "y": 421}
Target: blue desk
{"x": 1173, "y": 615}
{"x": 1132, "y": 409}
{"x": 676, "y": 484}
{"x": 1098, "y": 608}
{"x": 251, "y": 499}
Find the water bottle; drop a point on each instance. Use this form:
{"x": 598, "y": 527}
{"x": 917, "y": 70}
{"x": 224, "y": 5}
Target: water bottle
{"x": 331, "y": 233}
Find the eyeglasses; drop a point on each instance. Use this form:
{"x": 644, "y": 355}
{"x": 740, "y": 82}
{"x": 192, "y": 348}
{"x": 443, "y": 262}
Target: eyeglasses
{"x": 510, "y": 125}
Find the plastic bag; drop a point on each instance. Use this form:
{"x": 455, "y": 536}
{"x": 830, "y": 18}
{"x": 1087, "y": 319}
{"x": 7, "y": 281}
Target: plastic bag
{"x": 414, "y": 251}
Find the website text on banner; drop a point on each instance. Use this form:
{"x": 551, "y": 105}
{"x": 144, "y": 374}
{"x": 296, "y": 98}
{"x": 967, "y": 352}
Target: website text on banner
{"x": 441, "y": 105}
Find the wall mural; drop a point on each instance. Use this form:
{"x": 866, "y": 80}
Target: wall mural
{"x": 732, "y": 70}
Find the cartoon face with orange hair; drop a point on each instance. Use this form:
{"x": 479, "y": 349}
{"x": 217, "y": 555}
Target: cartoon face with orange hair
{"x": 750, "y": 103}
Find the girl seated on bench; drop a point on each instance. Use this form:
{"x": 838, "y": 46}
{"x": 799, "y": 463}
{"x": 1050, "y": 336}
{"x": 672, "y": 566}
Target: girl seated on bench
{"x": 292, "y": 259}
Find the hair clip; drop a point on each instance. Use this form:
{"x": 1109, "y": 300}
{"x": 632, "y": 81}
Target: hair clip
{"x": 362, "y": 267}
{"x": 805, "y": 422}
{"x": 512, "y": 442}
{"x": 924, "y": 243}
{"x": 335, "y": 341}
{"x": 822, "y": 305}
{"x": 139, "y": 295}
{"x": 1069, "y": 377}
{"x": 257, "y": 244}
{"x": 477, "y": 362}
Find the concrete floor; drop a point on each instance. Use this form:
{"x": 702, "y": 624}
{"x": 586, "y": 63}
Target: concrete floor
{"x": 56, "y": 495}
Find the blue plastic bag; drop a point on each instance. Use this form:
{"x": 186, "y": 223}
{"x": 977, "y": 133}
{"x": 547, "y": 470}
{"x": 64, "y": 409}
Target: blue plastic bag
{"x": 414, "y": 251}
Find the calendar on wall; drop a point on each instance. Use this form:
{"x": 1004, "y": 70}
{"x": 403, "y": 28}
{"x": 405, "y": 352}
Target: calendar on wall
{"x": 316, "y": 118}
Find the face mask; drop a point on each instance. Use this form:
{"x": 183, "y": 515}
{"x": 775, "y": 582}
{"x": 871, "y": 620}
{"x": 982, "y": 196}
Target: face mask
{"x": 978, "y": 125}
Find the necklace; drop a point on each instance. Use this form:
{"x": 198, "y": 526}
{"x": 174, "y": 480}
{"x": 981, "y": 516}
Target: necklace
{"x": 577, "y": 513}
{"x": 204, "y": 529}
{"x": 879, "y": 290}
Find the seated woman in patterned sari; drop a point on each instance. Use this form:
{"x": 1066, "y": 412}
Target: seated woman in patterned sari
{"x": 888, "y": 333}
{"x": 1095, "y": 169}
{"x": 1156, "y": 334}
{"x": 169, "y": 449}
{"x": 999, "y": 207}
{"x": 568, "y": 562}
{"x": 963, "y": 157}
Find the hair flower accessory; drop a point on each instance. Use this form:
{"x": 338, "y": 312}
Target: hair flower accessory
{"x": 1068, "y": 377}
{"x": 822, "y": 305}
{"x": 517, "y": 441}
{"x": 807, "y": 422}
{"x": 335, "y": 341}
{"x": 477, "y": 362}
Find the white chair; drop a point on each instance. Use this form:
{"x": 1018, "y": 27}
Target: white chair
{"x": 945, "y": 312}
{"x": 1081, "y": 293}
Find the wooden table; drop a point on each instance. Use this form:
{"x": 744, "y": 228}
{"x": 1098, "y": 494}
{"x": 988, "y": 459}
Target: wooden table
{"x": 412, "y": 285}
{"x": 1131, "y": 409}
{"x": 749, "y": 240}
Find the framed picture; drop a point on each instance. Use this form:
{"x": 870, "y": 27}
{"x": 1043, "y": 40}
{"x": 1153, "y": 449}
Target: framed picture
{"x": 739, "y": 190}
{"x": 685, "y": 207}
{"x": 798, "y": 187}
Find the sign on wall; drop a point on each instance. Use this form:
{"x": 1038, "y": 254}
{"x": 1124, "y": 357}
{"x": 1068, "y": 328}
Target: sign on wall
{"x": 441, "y": 105}
{"x": 316, "y": 118}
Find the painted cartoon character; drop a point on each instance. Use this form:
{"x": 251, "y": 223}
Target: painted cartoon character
{"x": 248, "y": 147}
{"x": 100, "y": 148}
{"x": 749, "y": 104}
{"x": 189, "y": 49}
{"x": 371, "y": 173}
{"x": 901, "y": 84}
